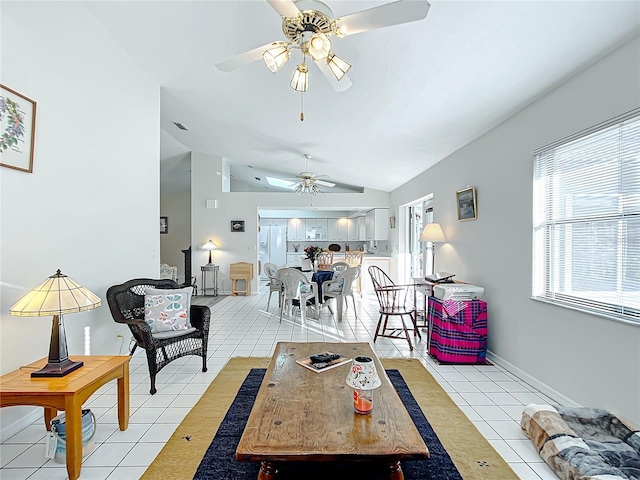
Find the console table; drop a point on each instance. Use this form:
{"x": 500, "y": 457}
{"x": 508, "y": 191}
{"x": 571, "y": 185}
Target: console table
{"x": 213, "y": 269}
{"x": 68, "y": 393}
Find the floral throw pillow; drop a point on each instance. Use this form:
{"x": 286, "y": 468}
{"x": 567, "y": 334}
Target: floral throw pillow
{"x": 167, "y": 310}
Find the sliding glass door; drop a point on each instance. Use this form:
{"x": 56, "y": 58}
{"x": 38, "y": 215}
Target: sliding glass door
{"x": 420, "y": 258}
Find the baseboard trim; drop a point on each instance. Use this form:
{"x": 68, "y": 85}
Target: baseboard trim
{"x": 534, "y": 382}
{"x": 23, "y": 422}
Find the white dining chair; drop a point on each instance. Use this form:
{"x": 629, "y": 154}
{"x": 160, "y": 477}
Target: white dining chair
{"x": 296, "y": 286}
{"x": 340, "y": 288}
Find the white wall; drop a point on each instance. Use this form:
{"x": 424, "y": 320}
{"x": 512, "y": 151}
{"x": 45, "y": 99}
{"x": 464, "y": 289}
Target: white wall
{"x": 177, "y": 207}
{"x": 91, "y": 205}
{"x": 591, "y": 360}
{"x": 208, "y": 173}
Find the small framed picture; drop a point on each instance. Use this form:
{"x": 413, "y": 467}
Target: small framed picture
{"x": 237, "y": 225}
{"x": 467, "y": 205}
{"x": 18, "y": 130}
{"x": 164, "y": 224}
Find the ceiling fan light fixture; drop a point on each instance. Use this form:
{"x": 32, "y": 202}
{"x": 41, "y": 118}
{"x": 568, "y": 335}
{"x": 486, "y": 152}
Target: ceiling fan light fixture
{"x": 319, "y": 46}
{"x": 300, "y": 79}
{"x": 274, "y": 58}
{"x": 338, "y": 66}
{"x": 307, "y": 187}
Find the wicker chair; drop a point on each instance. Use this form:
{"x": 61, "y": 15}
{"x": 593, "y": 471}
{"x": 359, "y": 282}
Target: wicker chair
{"x": 126, "y": 302}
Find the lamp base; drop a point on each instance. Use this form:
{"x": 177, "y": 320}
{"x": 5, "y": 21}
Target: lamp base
{"x": 57, "y": 369}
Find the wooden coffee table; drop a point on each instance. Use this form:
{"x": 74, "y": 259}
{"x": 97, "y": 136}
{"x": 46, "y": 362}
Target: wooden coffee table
{"x": 303, "y": 416}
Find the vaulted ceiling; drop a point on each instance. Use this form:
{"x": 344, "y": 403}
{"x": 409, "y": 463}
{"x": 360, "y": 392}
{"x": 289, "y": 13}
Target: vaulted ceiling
{"x": 420, "y": 90}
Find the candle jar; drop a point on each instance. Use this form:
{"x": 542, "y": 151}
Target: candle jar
{"x": 363, "y": 401}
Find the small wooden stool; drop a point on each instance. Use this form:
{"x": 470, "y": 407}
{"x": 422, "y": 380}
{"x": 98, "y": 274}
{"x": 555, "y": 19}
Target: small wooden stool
{"x": 241, "y": 271}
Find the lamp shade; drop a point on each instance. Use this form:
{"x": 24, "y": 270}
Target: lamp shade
{"x": 209, "y": 246}
{"x": 363, "y": 374}
{"x": 300, "y": 79}
{"x": 57, "y": 295}
{"x": 338, "y": 66}
{"x": 432, "y": 233}
{"x": 319, "y": 46}
{"x": 275, "y": 57}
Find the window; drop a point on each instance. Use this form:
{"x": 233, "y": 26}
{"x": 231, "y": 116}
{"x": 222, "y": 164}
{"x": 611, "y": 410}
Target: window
{"x": 586, "y": 220}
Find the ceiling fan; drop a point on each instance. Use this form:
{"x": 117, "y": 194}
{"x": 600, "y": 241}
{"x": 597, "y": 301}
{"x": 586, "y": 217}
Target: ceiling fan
{"x": 307, "y": 182}
{"x": 308, "y": 26}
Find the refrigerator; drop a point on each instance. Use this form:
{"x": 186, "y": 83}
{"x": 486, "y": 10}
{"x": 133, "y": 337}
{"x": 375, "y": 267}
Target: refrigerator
{"x": 273, "y": 247}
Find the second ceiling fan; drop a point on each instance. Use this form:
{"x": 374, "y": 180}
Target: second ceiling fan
{"x": 308, "y": 26}
{"x": 307, "y": 182}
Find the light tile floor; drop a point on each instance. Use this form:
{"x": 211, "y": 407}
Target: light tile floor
{"x": 489, "y": 395}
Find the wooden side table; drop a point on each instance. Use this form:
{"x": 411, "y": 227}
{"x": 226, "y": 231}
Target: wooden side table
{"x": 68, "y": 393}
{"x": 214, "y": 269}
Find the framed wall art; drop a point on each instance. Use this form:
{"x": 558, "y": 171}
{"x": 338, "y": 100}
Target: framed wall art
{"x": 17, "y": 130}
{"x": 164, "y": 225}
{"x": 237, "y": 225}
{"x": 466, "y": 204}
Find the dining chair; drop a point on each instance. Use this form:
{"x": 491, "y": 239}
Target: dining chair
{"x": 324, "y": 260}
{"x": 296, "y": 286}
{"x": 395, "y": 301}
{"x": 271, "y": 270}
{"x": 340, "y": 288}
{"x": 354, "y": 259}
{"x": 339, "y": 267}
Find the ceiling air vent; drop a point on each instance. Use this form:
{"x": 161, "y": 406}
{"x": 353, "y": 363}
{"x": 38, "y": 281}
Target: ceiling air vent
{"x": 180, "y": 126}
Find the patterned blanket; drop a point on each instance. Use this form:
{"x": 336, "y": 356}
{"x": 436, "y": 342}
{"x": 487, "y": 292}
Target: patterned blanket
{"x": 584, "y": 443}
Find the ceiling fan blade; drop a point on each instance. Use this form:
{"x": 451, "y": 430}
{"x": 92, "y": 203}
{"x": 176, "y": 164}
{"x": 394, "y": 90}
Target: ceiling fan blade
{"x": 243, "y": 59}
{"x": 325, "y": 183}
{"x": 395, "y": 13}
{"x": 338, "y": 86}
{"x": 286, "y": 8}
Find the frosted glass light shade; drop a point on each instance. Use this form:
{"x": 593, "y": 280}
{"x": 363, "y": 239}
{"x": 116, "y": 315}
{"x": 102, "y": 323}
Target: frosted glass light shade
{"x": 300, "y": 79}
{"x": 274, "y": 58}
{"x": 338, "y": 66}
{"x": 319, "y": 46}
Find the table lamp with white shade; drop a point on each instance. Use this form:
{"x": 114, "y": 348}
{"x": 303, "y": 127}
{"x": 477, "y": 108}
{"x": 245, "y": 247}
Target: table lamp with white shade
{"x": 209, "y": 246}
{"x": 432, "y": 233}
{"x": 56, "y": 296}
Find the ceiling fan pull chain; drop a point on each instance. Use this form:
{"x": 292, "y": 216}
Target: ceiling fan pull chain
{"x": 302, "y": 106}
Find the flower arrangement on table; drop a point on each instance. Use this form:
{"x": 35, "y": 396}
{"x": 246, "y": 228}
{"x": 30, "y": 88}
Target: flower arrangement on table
{"x": 312, "y": 252}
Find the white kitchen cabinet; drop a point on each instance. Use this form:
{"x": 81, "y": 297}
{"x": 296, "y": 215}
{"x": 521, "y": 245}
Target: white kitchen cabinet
{"x": 321, "y": 229}
{"x": 343, "y": 229}
{"x": 296, "y": 230}
{"x": 316, "y": 229}
{"x": 353, "y": 234}
{"x": 362, "y": 228}
{"x": 310, "y": 229}
{"x": 378, "y": 224}
{"x": 332, "y": 229}
{"x": 383, "y": 263}
{"x": 273, "y": 222}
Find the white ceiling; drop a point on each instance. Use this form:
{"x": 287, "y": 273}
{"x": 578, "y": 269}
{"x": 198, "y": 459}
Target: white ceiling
{"x": 420, "y": 90}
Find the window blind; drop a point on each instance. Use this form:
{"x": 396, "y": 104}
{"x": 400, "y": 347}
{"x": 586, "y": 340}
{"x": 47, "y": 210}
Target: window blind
{"x": 586, "y": 220}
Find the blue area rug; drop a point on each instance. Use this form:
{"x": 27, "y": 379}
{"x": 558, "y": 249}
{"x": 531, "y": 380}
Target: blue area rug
{"x": 219, "y": 462}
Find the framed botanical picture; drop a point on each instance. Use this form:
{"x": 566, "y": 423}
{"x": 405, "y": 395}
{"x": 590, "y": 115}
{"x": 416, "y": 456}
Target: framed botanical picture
{"x": 466, "y": 204}
{"x": 237, "y": 225}
{"x": 164, "y": 224}
{"x": 17, "y": 130}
